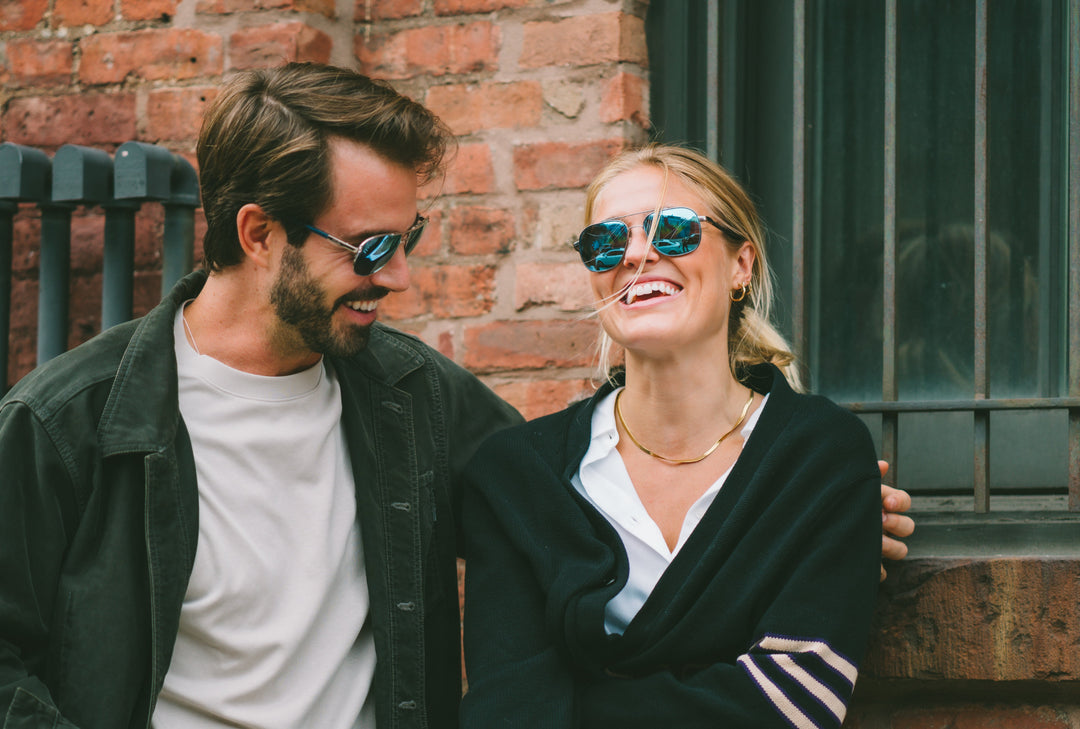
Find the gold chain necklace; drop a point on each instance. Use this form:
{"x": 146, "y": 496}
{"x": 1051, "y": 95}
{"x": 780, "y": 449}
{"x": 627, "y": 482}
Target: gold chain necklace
{"x": 681, "y": 461}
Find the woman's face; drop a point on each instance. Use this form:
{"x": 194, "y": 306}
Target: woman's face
{"x": 675, "y": 302}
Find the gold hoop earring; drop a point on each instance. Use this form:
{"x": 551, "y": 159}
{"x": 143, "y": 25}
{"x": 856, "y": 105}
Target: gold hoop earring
{"x": 742, "y": 292}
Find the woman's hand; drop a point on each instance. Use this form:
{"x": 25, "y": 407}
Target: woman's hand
{"x": 893, "y": 503}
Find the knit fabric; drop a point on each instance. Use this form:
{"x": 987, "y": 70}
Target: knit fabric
{"x": 760, "y": 620}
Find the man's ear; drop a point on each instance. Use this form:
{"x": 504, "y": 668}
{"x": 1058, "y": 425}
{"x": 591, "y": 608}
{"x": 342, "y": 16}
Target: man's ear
{"x": 255, "y": 229}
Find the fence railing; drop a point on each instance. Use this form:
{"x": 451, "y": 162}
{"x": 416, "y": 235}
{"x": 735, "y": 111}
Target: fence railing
{"x": 138, "y": 173}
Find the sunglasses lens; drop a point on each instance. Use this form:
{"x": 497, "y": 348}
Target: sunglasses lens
{"x": 375, "y": 253}
{"x": 678, "y": 231}
{"x": 602, "y": 245}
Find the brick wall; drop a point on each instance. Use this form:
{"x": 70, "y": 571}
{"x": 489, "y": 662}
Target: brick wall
{"x": 540, "y": 93}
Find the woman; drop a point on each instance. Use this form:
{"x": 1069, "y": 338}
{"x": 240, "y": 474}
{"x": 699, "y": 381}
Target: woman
{"x": 697, "y": 544}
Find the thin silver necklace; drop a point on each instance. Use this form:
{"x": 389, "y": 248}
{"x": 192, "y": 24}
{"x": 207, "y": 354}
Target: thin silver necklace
{"x": 187, "y": 327}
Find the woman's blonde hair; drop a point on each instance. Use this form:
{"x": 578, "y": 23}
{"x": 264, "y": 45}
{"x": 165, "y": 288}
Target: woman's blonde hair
{"x": 752, "y": 339}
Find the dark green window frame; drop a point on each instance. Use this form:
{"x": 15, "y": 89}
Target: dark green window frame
{"x": 744, "y": 81}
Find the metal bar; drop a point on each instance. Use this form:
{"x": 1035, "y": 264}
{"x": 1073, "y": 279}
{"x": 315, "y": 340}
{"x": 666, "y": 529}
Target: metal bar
{"x": 948, "y": 406}
{"x": 712, "y": 80}
{"x": 7, "y": 237}
{"x": 1073, "y": 236}
{"x": 1074, "y": 459}
{"x": 890, "y": 424}
{"x": 798, "y": 180}
{"x": 118, "y": 268}
{"x": 732, "y": 109}
{"x": 178, "y": 258}
{"x": 981, "y": 273}
{"x": 53, "y": 275}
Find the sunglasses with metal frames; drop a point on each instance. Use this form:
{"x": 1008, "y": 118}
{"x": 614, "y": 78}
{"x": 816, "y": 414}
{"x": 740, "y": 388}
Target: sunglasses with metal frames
{"x": 376, "y": 251}
{"x": 678, "y": 232}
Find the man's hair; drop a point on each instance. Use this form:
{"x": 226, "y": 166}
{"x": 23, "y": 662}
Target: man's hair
{"x": 265, "y": 140}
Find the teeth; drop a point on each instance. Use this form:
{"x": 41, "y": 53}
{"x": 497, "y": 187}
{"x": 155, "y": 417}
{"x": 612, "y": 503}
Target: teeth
{"x": 649, "y": 287}
{"x": 364, "y": 306}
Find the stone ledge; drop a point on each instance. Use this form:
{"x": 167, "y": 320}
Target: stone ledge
{"x": 993, "y": 620}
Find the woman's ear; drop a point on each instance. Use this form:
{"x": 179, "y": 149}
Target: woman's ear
{"x": 743, "y": 270}
{"x": 255, "y": 229}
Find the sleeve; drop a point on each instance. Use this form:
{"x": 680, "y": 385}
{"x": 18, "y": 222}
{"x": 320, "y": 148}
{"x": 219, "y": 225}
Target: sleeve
{"x": 473, "y": 414}
{"x": 36, "y": 505}
{"x": 515, "y": 676}
{"x": 801, "y": 667}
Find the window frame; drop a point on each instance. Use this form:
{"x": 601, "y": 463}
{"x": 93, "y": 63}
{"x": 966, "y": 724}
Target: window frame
{"x": 731, "y": 123}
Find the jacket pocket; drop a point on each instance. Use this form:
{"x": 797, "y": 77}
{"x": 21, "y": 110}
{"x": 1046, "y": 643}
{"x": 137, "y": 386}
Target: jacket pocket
{"x": 27, "y": 711}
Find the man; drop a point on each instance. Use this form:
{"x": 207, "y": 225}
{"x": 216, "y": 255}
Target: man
{"x": 240, "y": 509}
{"x": 220, "y": 514}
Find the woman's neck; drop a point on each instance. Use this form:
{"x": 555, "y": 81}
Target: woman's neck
{"x": 676, "y": 404}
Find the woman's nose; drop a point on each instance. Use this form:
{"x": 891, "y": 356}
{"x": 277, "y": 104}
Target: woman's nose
{"x": 638, "y": 248}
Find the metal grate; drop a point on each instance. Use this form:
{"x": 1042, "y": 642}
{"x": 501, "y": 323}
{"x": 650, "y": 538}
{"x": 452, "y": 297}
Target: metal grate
{"x": 76, "y": 175}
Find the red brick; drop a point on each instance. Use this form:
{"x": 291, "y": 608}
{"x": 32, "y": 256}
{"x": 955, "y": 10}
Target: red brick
{"x": 443, "y": 292}
{"x": 82, "y": 12}
{"x": 171, "y": 54}
{"x": 463, "y": 7}
{"x": 564, "y": 285}
{"x": 147, "y": 292}
{"x": 84, "y": 308}
{"x": 623, "y": 99}
{"x": 38, "y": 63}
{"x": 87, "y": 241}
{"x": 470, "y": 171}
{"x": 91, "y": 119}
{"x": 369, "y": 10}
{"x": 272, "y": 45}
{"x": 148, "y": 9}
{"x": 149, "y": 232}
{"x": 22, "y": 15}
{"x": 548, "y": 165}
{"x": 535, "y": 398}
{"x": 217, "y": 7}
{"x": 22, "y": 337}
{"x": 480, "y": 230}
{"x": 992, "y": 619}
{"x": 469, "y": 108}
{"x": 435, "y": 50}
{"x": 176, "y": 114}
{"x": 584, "y": 41}
{"x": 511, "y": 345}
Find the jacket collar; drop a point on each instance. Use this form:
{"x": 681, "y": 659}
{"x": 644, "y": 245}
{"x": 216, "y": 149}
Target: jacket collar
{"x": 142, "y": 414}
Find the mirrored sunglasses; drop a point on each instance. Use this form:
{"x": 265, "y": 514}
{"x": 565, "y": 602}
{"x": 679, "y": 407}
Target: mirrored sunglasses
{"x": 678, "y": 232}
{"x": 375, "y": 252}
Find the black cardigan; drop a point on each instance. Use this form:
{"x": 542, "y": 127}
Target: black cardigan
{"x": 759, "y": 621}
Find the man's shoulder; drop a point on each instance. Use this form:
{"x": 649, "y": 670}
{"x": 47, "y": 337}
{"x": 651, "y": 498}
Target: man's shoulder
{"x": 90, "y": 366}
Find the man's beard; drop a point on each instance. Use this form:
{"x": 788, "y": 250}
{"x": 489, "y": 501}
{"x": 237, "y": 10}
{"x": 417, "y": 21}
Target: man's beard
{"x": 298, "y": 298}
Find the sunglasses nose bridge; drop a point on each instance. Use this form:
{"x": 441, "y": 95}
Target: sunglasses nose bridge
{"x": 638, "y": 246}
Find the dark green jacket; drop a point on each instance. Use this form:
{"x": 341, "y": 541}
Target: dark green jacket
{"x": 99, "y": 522}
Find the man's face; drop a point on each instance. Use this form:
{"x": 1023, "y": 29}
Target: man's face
{"x": 323, "y": 306}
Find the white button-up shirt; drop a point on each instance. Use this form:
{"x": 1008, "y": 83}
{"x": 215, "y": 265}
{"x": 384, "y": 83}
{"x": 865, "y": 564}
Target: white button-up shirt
{"x": 603, "y": 480}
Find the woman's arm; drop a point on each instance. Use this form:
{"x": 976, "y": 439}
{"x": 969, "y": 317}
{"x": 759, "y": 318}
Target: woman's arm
{"x": 801, "y": 665}
{"x": 516, "y": 678}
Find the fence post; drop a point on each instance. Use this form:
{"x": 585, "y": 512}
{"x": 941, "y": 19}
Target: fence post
{"x": 24, "y": 177}
{"x": 147, "y": 172}
{"x": 84, "y": 175}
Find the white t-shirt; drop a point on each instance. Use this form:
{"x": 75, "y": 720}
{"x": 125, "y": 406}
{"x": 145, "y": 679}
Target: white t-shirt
{"x": 604, "y": 482}
{"x": 274, "y": 628}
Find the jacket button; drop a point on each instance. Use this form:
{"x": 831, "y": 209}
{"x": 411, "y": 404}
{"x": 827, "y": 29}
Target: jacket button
{"x": 407, "y": 705}
{"x": 406, "y": 606}
{"x": 401, "y": 505}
